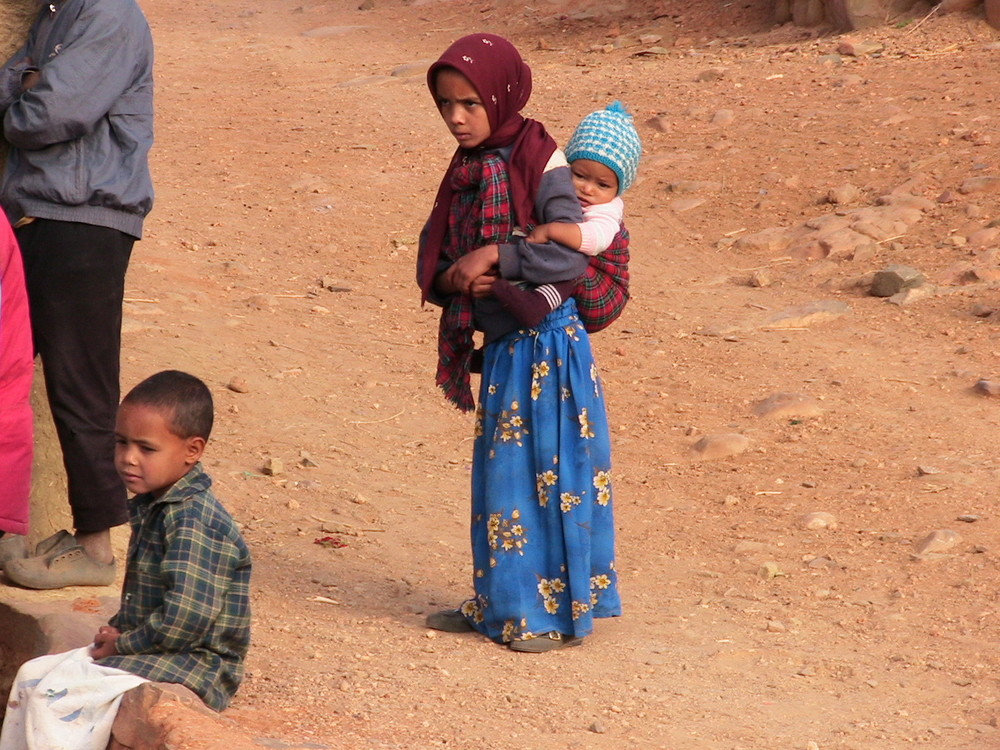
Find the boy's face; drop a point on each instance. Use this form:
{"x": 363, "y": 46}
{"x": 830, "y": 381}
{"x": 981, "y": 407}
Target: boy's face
{"x": 461, "y": 108}
{"x": 148, "y": 456}
{"x": 594, "y": 182}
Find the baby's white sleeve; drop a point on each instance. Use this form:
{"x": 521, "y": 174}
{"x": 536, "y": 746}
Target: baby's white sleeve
{"x": 600, "y": 225}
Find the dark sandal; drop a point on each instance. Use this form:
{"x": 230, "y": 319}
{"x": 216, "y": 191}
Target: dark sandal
{"x": 449, "y": 621}
{"x": 545, "y": 642}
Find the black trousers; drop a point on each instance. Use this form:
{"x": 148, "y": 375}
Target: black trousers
{"x": 75, "y": 274}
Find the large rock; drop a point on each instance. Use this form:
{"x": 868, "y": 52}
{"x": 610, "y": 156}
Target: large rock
{"x": 842, "y": 15}
{"x": 992, "y": 8}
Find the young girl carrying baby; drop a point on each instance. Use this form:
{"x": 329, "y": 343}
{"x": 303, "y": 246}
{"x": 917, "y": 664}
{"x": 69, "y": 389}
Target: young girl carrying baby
{"x": 542, "y": 519}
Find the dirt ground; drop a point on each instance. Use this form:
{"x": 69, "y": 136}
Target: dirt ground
{"x": 297, "y": 155}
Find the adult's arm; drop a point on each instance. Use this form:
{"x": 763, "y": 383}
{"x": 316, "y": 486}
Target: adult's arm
{"x": 541, "y": 263}
{"x": 12, "y": 77}
{"x": 103, "y": 53}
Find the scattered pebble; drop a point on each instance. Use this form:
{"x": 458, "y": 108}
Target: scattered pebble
{"x": 238, "y": 384}
{"x": 273, "y": 467}
{"x": 938, "y": 541}
{"x": 769, "y": 571}
{"x": 784, "y": 405}
{"x": 720, "y": 446}
{"x": 818, "y": 520}
{"x": 894, "y": 279}
{"x": 987, "y": 387}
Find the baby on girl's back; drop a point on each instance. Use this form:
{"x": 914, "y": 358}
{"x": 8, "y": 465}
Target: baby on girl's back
{"x": 603, "y": 156}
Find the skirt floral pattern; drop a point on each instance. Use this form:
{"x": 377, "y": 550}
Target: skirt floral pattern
{"x": 542, "y": 515}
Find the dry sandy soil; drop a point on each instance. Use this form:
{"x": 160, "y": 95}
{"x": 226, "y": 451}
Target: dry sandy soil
{"x": 294, "y": 171}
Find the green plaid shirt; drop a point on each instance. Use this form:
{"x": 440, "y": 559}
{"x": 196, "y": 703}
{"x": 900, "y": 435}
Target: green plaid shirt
{"x": 185, "y": 605}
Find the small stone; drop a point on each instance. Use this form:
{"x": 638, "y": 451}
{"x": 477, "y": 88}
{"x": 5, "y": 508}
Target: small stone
{"x": 894, "y": 279}
{"x": 858, "y": 49}
{"x": 980, "y": 310}
{"x": 238, "y": 384}
{"x": 712, "y": 74}
{"x": 773, "y": 626}
{"x": 843, "y": 194}
{"x": 818, "y": 520}
{"x": 909, "y": 296}
{"x": 723, "y": 117}
{"x": 785, "y": 405}
{"x": 293, "y": 504}
{"x": 938, "y": 541}
{"x": 260, "y": 302}
{"x": 273, "y": 467}
{"x": 987, "y": 387}
{"x": 597, "y": 728}
{"x": 760, "y": 279}
{"x": 306, "y": 461}
{"x": 811, "y": 313}
{"x": 659, "y": 123}
{"x": 988, "y": 183}
{"x": 720, "y": 446}
{"x": 769, "y": 571}
{"x": 968, "y": 518}
{"x": 731, "y": 501}
{"x": 926, "y": 471}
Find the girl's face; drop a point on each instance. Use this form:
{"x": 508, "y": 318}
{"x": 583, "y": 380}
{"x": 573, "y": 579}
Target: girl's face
{"x": 461, "y": 108}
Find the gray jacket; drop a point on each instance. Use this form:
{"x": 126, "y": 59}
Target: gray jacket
{"x": 80, "y": 137}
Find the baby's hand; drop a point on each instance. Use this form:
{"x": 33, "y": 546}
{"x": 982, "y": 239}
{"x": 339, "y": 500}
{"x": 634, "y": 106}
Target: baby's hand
{"x": 539, "y": 235}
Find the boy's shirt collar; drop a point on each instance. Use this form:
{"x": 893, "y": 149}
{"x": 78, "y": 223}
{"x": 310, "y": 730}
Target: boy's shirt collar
{"x": 195, "y": 481}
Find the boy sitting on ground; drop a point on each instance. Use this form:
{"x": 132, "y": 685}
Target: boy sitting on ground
{"x": 184, "y": 615}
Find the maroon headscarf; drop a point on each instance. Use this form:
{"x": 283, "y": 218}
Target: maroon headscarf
{"x": 503, "y": 81}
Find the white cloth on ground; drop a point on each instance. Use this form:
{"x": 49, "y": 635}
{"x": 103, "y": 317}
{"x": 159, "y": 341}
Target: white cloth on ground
{"x": 64, "y": 700}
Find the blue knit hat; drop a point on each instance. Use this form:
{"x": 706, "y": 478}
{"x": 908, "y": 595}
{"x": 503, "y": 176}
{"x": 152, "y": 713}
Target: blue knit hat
{"x": 608, "y": 137}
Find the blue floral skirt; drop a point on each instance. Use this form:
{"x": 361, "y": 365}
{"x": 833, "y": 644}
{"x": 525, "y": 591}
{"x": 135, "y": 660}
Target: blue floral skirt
{"x": 543, "y": 538}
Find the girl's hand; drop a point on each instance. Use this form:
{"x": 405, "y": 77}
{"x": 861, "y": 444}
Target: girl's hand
{"x": 466, "y": 274}
{"x": 483, "y": 286}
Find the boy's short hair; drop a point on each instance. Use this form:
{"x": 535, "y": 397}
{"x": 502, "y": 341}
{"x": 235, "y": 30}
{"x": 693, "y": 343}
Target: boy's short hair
{"x": 186, "y": 398}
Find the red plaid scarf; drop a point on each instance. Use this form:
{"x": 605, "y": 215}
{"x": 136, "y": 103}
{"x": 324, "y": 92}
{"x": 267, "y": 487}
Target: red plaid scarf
{"x": 480, "y": 214}
{"x": 602, "y": 293}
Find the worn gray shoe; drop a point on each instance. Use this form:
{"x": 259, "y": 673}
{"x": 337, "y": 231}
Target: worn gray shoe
{"x": 545, "y": 642}
{"x": 12, "y": 547}
{"x": 59, "y": 542}
{"x": 69, "y": 567}
{"x": 449, "y": 621}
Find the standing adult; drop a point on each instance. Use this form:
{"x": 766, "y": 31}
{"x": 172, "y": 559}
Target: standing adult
{"x": 78, "y": 115}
